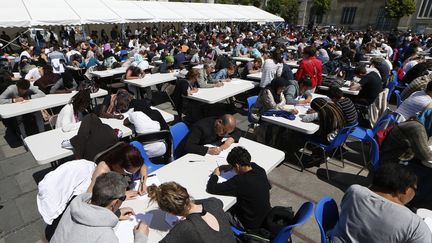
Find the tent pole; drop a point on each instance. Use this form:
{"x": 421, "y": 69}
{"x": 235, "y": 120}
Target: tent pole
{"x": 11, "y": 42}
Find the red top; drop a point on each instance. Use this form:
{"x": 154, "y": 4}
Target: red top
{"x": 313, "y": 67}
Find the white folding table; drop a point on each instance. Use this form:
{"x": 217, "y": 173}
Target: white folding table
{"x": 297, "y": 124}
{"x": 242, "y": 59}
{"x": 152, "y": 79}
{"x": 257, "y": 76}
{"x": 194, "y": 176}
{"x": 109, "y": 72}
{"x": 46, "y": 146}
{"x": 345, "y": 89}
{"x": 216, "y": 94}
{"x": 49, "y": 101}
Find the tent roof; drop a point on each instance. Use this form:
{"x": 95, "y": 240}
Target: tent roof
{"x": 27, "y": 13}
{"x": 51, "y": 12}
{"x": 14, "y": 14}
{"x": 96, "y": 13}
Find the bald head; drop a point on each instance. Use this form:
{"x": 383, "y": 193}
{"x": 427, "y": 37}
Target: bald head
{"x": 225, "y": 125}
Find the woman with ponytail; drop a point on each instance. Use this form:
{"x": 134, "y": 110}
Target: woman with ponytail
{"x": 203, "y": 220}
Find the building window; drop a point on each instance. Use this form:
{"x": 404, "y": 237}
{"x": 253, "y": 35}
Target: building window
{"x": 425, "y": 11}
{"x": 348, "y": 15}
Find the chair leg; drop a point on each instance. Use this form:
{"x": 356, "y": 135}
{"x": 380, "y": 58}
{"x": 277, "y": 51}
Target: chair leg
{"x": 300, "y": 160}
{"x": 326, "y": 164}
{"x": 364, "y": 159}
{"x": 342, "y": 158}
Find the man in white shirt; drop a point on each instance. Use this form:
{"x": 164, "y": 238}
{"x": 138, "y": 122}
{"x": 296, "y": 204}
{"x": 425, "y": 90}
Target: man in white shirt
{"x": 417, "y": 102}
{"x": 143, "y": 124}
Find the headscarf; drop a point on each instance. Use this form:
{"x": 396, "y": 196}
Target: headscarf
{"x": 425, "y": 118}
{"x": 138, "y": 58}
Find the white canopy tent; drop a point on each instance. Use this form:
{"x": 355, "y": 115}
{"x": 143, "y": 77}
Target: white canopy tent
{"x": 33, "y": 13}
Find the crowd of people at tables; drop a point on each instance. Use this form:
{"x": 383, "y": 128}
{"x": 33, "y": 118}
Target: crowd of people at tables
{"x": 91, "y": 216}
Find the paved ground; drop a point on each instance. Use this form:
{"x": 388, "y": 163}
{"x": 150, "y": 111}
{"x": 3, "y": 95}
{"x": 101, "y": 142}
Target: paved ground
{"x": 19, "y": 174}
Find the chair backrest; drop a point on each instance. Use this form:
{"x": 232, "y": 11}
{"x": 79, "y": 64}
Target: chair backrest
{"x": 150, "y": 166}
{"x": 52, "y": 121}
{"x": 97, "y": 156}
{"x": 178, "y": 132}
{"x": 251, "y": 102}
{"x": 326, "y": 215}
{"x": 375, "y": 160}
{"x": 395, "y": 76}
{"x": 385, "y": 120}
{"x": 342, "y": 136}
{"x": 398, "y": 97}
{"x": 159, "y": 136}
{"x": 391, "y": 86}
{"x": 302, "y": 215}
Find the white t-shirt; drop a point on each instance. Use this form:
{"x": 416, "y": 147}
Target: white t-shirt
{"x": 143, "y": 124}
{"x": 416, "y": 102}
{"x": 33, "y": 74}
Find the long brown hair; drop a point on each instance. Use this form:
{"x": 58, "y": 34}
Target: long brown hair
{"x": 331, "y": 117}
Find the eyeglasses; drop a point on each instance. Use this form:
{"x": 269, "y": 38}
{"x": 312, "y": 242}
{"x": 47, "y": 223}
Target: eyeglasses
{"x": 123, "y": 198}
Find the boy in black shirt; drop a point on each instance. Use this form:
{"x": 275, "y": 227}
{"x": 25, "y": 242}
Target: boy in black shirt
{"x": 250, "y": 186}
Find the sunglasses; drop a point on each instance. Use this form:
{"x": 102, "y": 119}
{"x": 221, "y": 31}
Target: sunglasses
{"x": 127, "y": 172}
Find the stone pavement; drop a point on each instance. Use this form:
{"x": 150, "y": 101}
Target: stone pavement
{"x": 19, "y": 174}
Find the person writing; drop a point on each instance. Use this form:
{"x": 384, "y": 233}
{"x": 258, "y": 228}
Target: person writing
{"x": 298, "y": 89}
{"x": 71, "y": 114}
{"x": 204, "y": 78}
{"x": 209, "y": 130}
{"x": 91, "y": 217}
{"x": 204, "y": 220}
{"x": 250, "y": 187}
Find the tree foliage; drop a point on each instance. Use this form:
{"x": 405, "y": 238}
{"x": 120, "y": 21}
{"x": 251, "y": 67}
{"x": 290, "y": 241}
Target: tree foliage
{"x": 321, "y": 6}
{"x": 400, "y": 8}
{"x": 287, "y": 9}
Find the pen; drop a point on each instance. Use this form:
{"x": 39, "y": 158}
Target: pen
{"x": 151, "y": 175}
{"x": 196, "y": 161}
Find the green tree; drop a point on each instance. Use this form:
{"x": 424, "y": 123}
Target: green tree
{"x": 257, "y": 3}
{"x": 399, "y": 8}
{"x": 287, "y": 9}
{"x": 321, "y": 6}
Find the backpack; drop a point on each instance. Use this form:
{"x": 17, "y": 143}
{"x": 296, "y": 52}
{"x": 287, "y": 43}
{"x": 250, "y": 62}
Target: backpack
{"x": 382, "y": 134}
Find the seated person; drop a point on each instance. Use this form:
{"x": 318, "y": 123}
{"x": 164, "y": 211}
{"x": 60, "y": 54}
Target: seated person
{"x": 271, "y": 98}
{"x": 92, "y": 138}
{"x": 344, "y": 103}
{"x": 250, "y": 187}
{"x": 252, "y": 67}
{"x": 167, "y": 65}
{"x": 224, "y": 74}
{"x": 125, "y": 160}
{"x": 416, "y": 103}
{"x": 330, "y": 118}
{"x": 298, "y": 89}
{"x": 113, "y": 106}
{"x": 71, "y": 114}
{"x": 20, "y": 92}
{"x": 369, "y": 85}
{"x": 90, "y": 60}
{"x": 210, "y": 130}
{"x": 204, "y": 79}
{"x": 140, "y": 61}
{"x": 47, "y": 80}
{"x": 287, "y": 73}
{"x": 204, "y": 220}
{"x": 409, "y": 140}
{"x": 383, "y": 69}
{"x": 417, "y": 84}
{"x": 186, "y": 87}
{"x": 91, "y": 217}
{"x": 143, "y": 124}
{"x": 66, "y": 84}
{"x": 392, "y": 187}
{"x": 418, "y": 70}
{"x": 134, "y": 72}
{"x": 34, "y": 74}
{"x": 198, "y": 57}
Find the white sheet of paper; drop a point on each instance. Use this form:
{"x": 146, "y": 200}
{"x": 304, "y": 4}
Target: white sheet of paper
{"x": 226, "y": 175}
{"x": 124, "y": 229}
{"x": 150, "y": 181}
{"x": 428, "y": 222}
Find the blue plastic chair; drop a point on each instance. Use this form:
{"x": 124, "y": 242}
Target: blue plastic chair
{"x": 398, "y": 97}
{"x": 302, "y": 215}
{"x": 178, "y": 133}
{"x": 375, "y": 160}
{"x": 250, "y": 103}
{"x": 362, "y": 134}
{"x": 150, "y": 166}
{"x": 335, "y": 144}
{"x": 326, "y": 216}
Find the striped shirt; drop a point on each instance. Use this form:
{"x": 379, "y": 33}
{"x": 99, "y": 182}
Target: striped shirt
{"x": 414, "y": 104}
{"x": 348, "y": 109}
{"x": 416, "y": 85}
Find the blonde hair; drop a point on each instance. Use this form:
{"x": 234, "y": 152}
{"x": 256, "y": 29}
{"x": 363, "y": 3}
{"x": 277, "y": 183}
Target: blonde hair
{"x": 170, "y": 197}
